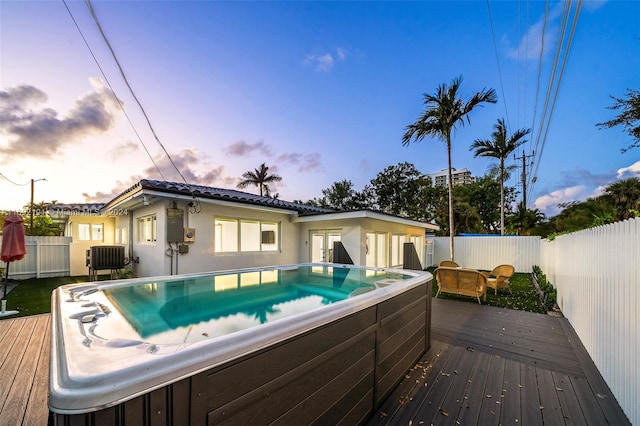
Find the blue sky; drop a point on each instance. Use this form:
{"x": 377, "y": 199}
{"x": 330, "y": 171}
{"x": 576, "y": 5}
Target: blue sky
{"x": 319, "y": 91}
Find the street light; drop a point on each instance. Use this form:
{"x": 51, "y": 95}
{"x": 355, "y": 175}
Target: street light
{"x": 31, "y": 215}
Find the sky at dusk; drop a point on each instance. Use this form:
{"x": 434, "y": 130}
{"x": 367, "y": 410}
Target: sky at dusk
{"x": 319, "y": 91}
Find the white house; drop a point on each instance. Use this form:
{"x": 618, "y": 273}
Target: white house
{"x": 169, "y": 228}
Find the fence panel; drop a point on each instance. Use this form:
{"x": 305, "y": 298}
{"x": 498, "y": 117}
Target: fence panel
{"x": 597, "y": 275}
{"x": 488, "y": 252}
{"x": 46, "y": 257}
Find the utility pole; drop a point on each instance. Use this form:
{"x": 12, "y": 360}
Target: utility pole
{"x": 31, "y": 209}
{"x": 523, "y": 176}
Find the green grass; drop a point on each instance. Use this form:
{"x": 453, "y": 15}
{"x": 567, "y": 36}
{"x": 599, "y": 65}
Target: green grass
{"x": 33, "y": 296}
{"x": 524, "y": 296}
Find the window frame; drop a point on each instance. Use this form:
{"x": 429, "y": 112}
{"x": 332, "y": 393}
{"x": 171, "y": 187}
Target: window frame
{"x": 141, "y": 229}
{"x": 243, "y": 244}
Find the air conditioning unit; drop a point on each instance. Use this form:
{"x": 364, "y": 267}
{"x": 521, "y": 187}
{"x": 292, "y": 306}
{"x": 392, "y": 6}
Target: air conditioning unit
{"x": 106, "y": 257}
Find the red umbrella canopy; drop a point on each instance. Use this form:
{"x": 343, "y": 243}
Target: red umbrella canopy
{"x": 13, "y": 244}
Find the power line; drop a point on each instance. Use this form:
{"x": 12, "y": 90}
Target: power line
{"x": 196, "y": 208}
{"x": 124, "y": 77}
{"x": 565, "y": 56}
{"x": 535, "y": 105}
{"x": 10, "y": 181}
{"x": 495, "y": 48}
{"x": 95, "y": 59}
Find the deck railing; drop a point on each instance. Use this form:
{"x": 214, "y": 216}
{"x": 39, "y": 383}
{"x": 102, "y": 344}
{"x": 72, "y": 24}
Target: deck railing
{"x": 597, "y": 274}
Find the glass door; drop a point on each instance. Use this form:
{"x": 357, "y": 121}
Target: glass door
{"x": 322, "y": 245}
{"x": 376, "y": 249}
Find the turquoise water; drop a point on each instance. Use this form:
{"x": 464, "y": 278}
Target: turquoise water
{"x": 219, "y": 304}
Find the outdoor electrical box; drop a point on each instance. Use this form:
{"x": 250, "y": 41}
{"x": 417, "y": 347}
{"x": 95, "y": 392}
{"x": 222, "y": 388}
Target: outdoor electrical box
{"x": 175, "y": 225}
{"x": 189, "y": 235}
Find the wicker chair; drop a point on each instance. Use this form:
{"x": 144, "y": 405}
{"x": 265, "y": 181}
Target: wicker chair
{"x": 499, "y": 277}
{"x": 449, "y": 264}
{"x": 468, "y": 282}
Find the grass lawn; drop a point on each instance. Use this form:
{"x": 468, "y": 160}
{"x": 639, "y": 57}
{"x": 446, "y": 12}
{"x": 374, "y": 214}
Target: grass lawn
{"x": 524, "y": 296}
{"x": 33, "y": 296}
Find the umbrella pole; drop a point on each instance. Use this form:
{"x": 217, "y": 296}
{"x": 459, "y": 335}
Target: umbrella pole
{"x": 6, "y": 281}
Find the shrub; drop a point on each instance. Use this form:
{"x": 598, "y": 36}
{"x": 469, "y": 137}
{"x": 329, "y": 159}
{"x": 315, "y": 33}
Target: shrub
{"x": 549, "y": 292}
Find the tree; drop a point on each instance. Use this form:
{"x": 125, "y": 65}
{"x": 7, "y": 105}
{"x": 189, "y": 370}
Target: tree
{"x": 398, "y": 187}
{"x": 483, "y": 194}
{"x": 629, "y": 116}
{"x": 42, "y": 224}
{"x": 500, "y": 146}
{"x": 525, "y": 221}
{"x": 625, "y": 197}
{"x": 443, "y": 112}
{"x": 342, "y": 196}
{"x": 260, "y": 177}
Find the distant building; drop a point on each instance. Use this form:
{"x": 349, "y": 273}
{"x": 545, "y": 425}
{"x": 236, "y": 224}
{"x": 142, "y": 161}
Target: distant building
{"x": 458, "y": 176}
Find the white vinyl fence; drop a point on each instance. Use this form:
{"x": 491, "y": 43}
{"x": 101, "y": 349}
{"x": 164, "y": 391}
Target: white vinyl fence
{"x": 597, "y": 274}
{"x": 46, "y": 257}
{"x": 485, "y": 253}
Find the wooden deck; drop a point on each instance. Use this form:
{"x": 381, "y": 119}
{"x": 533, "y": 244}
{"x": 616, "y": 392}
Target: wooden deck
{"x": 486, "y": 365}
{"x": 493, "y": 366}
{"x": 24, "y": 370}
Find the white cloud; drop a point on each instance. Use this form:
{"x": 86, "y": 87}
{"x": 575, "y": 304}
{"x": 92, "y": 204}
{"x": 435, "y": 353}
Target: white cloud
{"x": 531, "y": 44}
{"x": 631, "y": 171}
{"x": 548, "y": 203}
{"x": 592, "y": 5}
{"x": 326, "y": 61}
{"x": 35, "y": 130}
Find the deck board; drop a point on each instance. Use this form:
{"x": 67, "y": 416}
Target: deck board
{"x": 523, "y": 361}
{"x": 519, "y": 367}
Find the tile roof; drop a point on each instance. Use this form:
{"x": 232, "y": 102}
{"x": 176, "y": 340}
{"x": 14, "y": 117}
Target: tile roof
{"x": 211, "y": 193}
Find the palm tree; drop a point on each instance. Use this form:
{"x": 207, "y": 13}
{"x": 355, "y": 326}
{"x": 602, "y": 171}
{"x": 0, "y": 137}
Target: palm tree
{"x": 443, "y": 112}
{"x": 625, "y": 196}
{"x": 500, "y": 146}
{"x": 260, "y": 177}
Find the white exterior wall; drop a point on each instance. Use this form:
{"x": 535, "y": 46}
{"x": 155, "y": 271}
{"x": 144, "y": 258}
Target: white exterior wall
{"x": 154, "y": 261}
{"x": 353, "y": 233}
{"x": 151, "y": 256}
{"x": 202, "y": 258}
{"x": 78, "y": 249}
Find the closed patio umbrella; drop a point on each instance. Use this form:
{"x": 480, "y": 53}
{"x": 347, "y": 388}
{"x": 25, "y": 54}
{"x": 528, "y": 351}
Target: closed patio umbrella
{"x": 13, "y": 244}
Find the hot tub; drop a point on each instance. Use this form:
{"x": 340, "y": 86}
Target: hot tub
{"x": 293, "y": 344}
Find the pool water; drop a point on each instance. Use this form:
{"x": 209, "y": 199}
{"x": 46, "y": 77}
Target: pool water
{"x": 191, "y": 309}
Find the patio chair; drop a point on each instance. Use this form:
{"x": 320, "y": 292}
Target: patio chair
{"x": 449, "y": 264}
{"x": 468, "y": 282}
{"x": 499, "y": 277}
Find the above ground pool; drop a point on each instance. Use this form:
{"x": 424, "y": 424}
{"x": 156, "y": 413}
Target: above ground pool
{"x": 119, "y": 341}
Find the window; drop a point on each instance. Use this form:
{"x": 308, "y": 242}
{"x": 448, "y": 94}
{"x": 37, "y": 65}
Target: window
{"x": 90, "y": 232}
{"x": 226, "y": 235}
{"x": 84, "y": 232}
{"x": 96, "y": 232}
{"x": 376, "y": 249}
{"x": 147, "y": 229}
{"x": 241, "y": 235}
{"x": 397, "y": 249}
